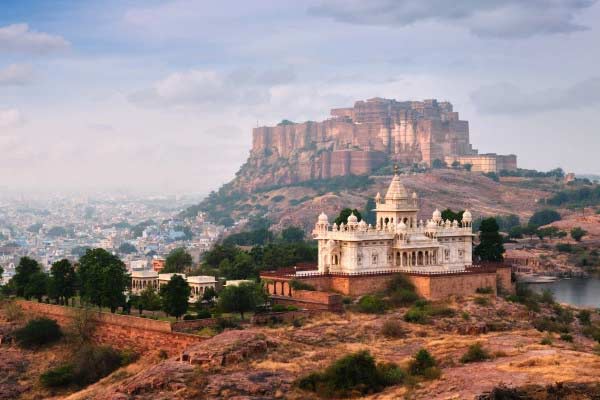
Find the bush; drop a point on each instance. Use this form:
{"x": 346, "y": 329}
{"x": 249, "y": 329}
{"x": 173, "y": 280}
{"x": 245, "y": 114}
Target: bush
{"x": 57, "y": 377}
{"x": 546, "y": 340}
{"x": 550, "y": 325}
{"x": 38, "y": 332}
{"x": 475, "y": 353}
{"x": 482, "y": 301}
{"x": 92, "y": 363}
{"x": 371, "y": 305}
{"x": 403, "y": 297}
{"x": 416, "y": 315}
{"x": 393, "y": 329}
{"x": 203, "y": 314}
{"x": 484, "y": 290}
{"x": 592, "y": 331}
{"x": 421, "y": 363}
{"x": 299, "y": 285}
{"x": 189, "y": 317}
{"x": 12, "y": 311}
{"x": 584, "y": 317}
{"x": 547, "y": 296}
{"x": 566, "y": 337}
{"x": 544, "y": 217}
{"x": 278, "y": 308}
{"x": 353, "y": 374}
{"x": 565, "y": 247}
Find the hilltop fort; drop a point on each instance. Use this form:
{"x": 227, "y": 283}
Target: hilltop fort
{"x": 359, "y": 139}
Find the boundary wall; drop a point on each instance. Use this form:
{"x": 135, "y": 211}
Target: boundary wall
{"x": 120, "y": 331}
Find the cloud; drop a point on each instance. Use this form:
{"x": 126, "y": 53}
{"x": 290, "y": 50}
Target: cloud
{"x": 19, "y": 38}
{"x": 10, "y": 117}
{"x": 506, "y": 19}
{"x": 507, "y": 98}
{"x": 16, "y": 75}
{"x": 213, "y": 88}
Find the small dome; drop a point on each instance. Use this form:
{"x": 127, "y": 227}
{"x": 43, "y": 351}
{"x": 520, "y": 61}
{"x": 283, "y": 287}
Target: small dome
{"x": 352, "y": 219}
{"x": 414, "y": 195}
{"x": 437, "y": 215}
{"x": 467, "y": 217}
{"x": 362, "y": 223}
{"x": 323, "y": 217}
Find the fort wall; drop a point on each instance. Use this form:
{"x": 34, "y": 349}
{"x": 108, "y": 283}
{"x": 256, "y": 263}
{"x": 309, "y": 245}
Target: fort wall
{"x": 120, "y": 331}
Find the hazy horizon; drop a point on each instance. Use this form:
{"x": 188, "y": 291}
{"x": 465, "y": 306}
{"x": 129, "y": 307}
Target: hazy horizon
{"x": 161, "y": 96}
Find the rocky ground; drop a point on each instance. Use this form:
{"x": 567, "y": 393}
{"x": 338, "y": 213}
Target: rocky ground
{"x": 437, "y": 189}
{"x": 264, "y": 362}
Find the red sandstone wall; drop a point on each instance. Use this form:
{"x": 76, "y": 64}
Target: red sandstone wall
{"x": 120, "y": 331}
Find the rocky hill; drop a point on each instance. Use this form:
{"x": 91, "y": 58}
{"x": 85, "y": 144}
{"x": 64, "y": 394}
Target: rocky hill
{"x": 265, "y": 362}
{"x": 299, "y": 204}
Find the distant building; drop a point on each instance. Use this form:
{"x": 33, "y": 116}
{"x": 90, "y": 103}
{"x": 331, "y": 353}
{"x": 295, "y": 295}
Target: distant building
{"x": 140, "y": 280}
{"x": 158, "y": 264}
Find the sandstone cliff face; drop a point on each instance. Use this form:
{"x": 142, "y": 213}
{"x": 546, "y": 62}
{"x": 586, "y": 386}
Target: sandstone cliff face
{"x": 354, "y": 141}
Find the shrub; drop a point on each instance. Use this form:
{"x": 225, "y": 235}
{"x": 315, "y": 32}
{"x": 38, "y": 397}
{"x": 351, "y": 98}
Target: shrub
{"x": 475, "y": 353}
{"x": 482, "y": 301}
{"x": 565, "y": 247}
{"x": 371, "y": 305}
{"x": 484, "y": 290}
{"x": 189, "y": 317}
{"x": 38, "y": 332}
{"x": 278, "y": 308}
{"x": 299, "y": 285}
{"x": 550, "y": 325}
{"x": 547, "y": 296}
{"x": 403, "y": 297}
{"x": 592, "y": 331}
{"x": 392, "y": 329}
{"x": 422, "y": 363}
{"x": 292, "y": 308}
{"x": 584, "y": 317}
{"x": 57, "y": 377}
{"x": 465, "y": 315}
{"x": 416, "y": 315}
{"x": 92, "y": 363}
{"x": 546, "y": 340}
{"x": 347, "y": 300}
{"x": 12, "y": 311}
{"x": 203, "y": 314}
{"x": 566, "y": 337}
{"x": 400, "y": 281}
{"x": 350, "y": 375}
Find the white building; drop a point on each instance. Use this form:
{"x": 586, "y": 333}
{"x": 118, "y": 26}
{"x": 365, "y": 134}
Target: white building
{"x": 140, "y": 280}
{"x": 398, "y": 241}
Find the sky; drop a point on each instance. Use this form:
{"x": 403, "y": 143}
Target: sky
{"x": 162, "y": 96}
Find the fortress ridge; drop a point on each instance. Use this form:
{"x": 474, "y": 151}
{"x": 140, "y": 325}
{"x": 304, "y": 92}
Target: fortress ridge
{"x": 359, "y": 139}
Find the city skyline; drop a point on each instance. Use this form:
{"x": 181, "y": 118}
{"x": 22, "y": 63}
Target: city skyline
{"x": 164, "y": 95}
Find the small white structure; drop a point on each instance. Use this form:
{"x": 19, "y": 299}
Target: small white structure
{"x": 398, "y": 241}
{"x": 237, "y": 282}
{"x": 199, "y": 284}
{"x": 140, "y": 280}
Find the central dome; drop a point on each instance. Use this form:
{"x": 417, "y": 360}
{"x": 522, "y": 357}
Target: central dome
{"x": 396, "y": 191}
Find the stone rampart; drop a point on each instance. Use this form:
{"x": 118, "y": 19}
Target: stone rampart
{"x": 120, "y": 331}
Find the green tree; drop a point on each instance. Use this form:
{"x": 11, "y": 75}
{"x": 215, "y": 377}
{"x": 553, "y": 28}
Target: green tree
{"x": 577, "y": 233}
{"x": 490, "y": 246}
{"x": 292, "y": 234}
{"x": 210, "y": 294}
{"x": 175, "y": 295}
{"x": 63, "y": 281}
{"x": 25, "y": 269}
{"x": 37, "y": 286}
{"x": 369, "y": 214}
{"x": 241, "y": 267}
{"x": 437, "y": 163}
{"x": 345, "y": 213}
{"x": 242, "y": 298}
{"x": 468, "y": 167}
{"x": 177, "y": 261}
{"x": 544, "y": 217}
{"x": 103, "y": 279}
{"x": 448, "y": 214}
{"x": 149, "y": 299}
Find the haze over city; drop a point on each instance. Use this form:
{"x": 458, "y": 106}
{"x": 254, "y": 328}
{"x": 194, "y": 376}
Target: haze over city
{"x": 162, "y": 96}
